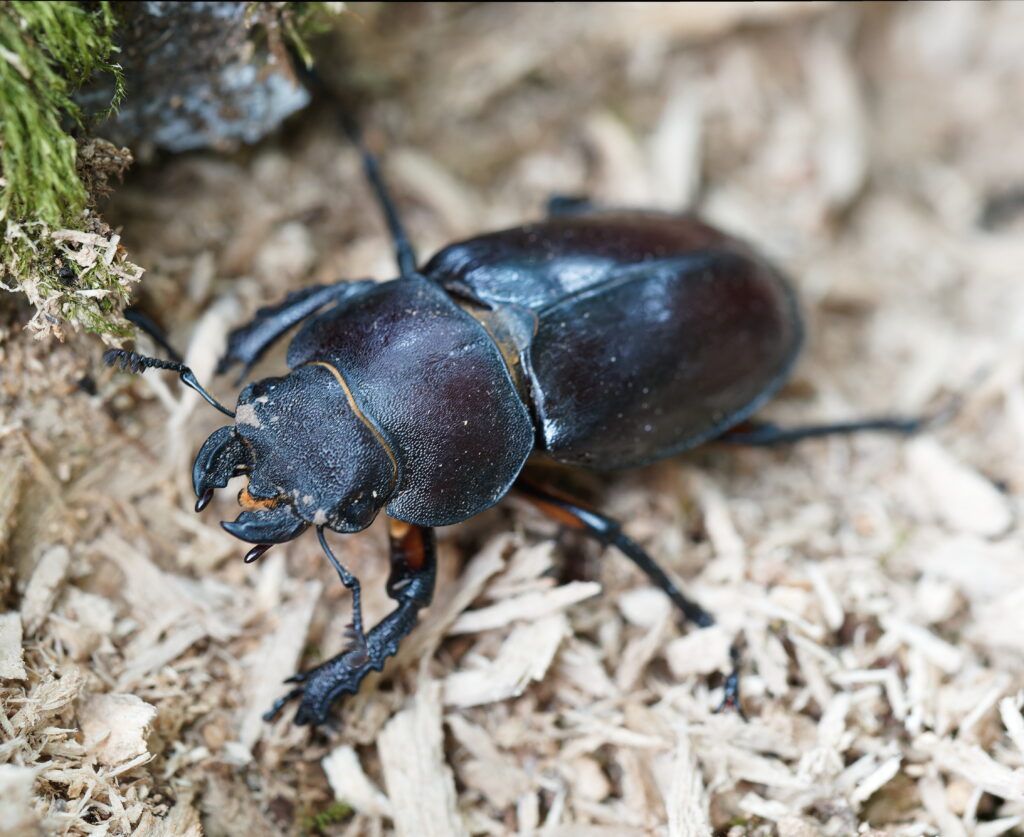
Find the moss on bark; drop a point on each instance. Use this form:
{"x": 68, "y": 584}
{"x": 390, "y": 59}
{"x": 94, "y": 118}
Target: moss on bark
{"x": 55, "y": 248}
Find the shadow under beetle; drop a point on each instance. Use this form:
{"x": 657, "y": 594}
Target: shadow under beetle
{"x": 601, "y": 339}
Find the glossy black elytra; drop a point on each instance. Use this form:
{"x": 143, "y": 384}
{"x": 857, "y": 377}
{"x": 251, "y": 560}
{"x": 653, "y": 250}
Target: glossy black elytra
{"x": 600, "y": 339}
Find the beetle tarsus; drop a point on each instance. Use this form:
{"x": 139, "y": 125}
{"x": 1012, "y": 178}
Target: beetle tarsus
{"x": 343, "y": 674}
{"x": 731, "y": 689}
{"x": 411, "y": 584}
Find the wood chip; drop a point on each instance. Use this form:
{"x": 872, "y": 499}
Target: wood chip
{"x": 419, "y": 782}
{"x": 686, "y": 799}
{"x": 43, "y": 587}
{"x": 959, "y": 495}
{"x": 528, "y": 607}
{"x": 11, "y": 476}
{"x": 17, "y": 816}
{"x": 182, "y": 821}
{"x": 116, "y": 727}
{"x": 276, "y": 659}
{"x": 351, "y": 785}
{"x": 524, "y": 656}
{"x": 12, "y": 663}
{"x": 843, "y": 143}
{"x": 489, "y": 771}
{"x": 1009, "y": 711}
{"x": 699, "y": 652}
{"x": 976, "y": 766}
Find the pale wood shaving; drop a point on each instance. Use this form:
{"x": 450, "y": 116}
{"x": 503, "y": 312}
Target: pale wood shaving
{"x": 874, "y": 781}
{"x": 11, "y": 476}
{"x": 686, "y": 800}
{"x": 640, "y": 651}
{"x": 182, "y": 821}
{"x": 351, "y": 784}
{"x": 116, "y": 727}
{"x": 12, "y": 663}
{"x": 276, "y": 659}
{"x": 996, "y": 827}
{"x": 873, "y": 584}
{"x": 17, "y": 815}
{"x": 730, "y": 552}
{"x": 974, "y": 764}
{"x": 44, "y": 586}
{"x": 645, "y": 607}
{"x": 932, "y": 647}
{"x": 675, "y": 149}
{"x": 440, "y": 618}
{"x": 959, "y": 496}
{"x": 524, "y": 656}
{"x": 527, "y": 606}
{"x": 842, "y": 153}
{"x": 1009, "y": 711}
{"x": 418, "y": 780}
{"x": 933, "y": 797}
{"x": 85, "y": 623}
{"x": 488, "y": 770}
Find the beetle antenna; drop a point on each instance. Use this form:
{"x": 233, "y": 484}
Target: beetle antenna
{"x": 405, "y": 255}
{"x": 137, "y": 364}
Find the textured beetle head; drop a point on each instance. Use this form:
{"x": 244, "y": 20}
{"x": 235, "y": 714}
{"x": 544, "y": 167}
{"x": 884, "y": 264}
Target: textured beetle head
{"x": 310, "y": 456}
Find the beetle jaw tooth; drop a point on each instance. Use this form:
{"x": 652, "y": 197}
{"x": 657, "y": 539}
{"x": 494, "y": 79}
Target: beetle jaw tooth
{"x": 218, "y": 460}
{"x": 267, "y": 525}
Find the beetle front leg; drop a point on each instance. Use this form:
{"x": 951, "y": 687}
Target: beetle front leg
{"x": 248, "y": 343}
{"x": 411, "y": 584}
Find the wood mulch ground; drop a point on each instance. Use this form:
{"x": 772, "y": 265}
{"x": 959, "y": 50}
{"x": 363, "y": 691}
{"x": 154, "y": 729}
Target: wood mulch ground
{"x": 876, "y": 583}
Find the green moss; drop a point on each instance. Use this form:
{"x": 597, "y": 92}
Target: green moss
{"x": 54, "y": 248}
{"x": 317, "y": 823}
{"x": 48, "y": 50}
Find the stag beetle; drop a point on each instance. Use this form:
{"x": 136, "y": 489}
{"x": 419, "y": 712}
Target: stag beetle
{"x": 600, "y": 339}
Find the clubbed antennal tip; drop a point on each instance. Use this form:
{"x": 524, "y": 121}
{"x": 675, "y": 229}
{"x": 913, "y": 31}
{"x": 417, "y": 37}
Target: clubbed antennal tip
{"x": 137, "y": 364}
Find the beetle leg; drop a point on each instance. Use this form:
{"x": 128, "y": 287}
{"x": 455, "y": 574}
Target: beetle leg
{"x": 249, "y": 342}
{"x": 563, "y": 206}
{"x": 731, "y": 688}
{"x": 352, "y": 583}
{"x": 765, "y": 433}
{"x": 607, "y": 531}
{"x": 405, "y": 255}
{"x": 411, "y": 584}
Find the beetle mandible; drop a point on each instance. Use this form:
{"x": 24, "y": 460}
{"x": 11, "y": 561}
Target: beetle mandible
{"x": 600, "y": 339}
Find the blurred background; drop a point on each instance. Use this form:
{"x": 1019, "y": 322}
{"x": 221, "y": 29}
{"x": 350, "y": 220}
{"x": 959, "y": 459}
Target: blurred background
{"x": 875, "y": 583}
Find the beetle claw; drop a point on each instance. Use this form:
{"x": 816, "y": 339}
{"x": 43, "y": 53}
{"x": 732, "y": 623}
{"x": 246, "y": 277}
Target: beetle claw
{"x": 266, "y": 526}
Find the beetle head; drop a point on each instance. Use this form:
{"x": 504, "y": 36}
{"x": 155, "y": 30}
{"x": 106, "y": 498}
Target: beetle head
{"x": 311, "y": 457}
